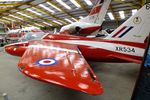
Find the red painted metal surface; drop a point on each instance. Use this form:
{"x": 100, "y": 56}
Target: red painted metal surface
{"x": 69, "y": 70}
{"x": 70, "y": 37}
{"x": 16, "y": 49}
{"x": 90, "y": 30}
{"x": 67, "y": 61}
{"x": 83, "y": 32}
{"x": 13, "y": 35}
{"x": 88, "y": 52}
{"x": 95, "y": 10}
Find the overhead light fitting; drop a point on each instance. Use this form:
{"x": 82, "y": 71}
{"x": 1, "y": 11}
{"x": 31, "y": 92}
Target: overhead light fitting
{"x": 134, "y": 11}
{"x": 33, "y": 26}
{"x": 81, "y": 17}
{"x": 24, "y": 15}
{"x": 9, "y": 19}
{"x": 16, "y": 17}
{"x": 122, "y": 15}
{"x": 68, "y": 20}
{"x": 57, "y": 22}
{"x": 53, "y": 6}
{"x": 4, "y": 21}
{"x": 74, "y": 19}
{"x": 88, "y": 2}
{"x": 38, "y": 24}
{"x": 47, "y": 24}
{"x": 75, "y": 3}
{"x": 46, "y": 8}
{"x": 111, "y": 16}
{"x": 28, "y": 9}
{"x": 64, "y": 4}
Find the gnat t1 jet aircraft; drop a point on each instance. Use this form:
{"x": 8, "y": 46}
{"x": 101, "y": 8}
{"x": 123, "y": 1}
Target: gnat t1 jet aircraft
{"x": 61, "y": 59}
{"x": 90, "y": 24}
{"x": 15, "y": 34}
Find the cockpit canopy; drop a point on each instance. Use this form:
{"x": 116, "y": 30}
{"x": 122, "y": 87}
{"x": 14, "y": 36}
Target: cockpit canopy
{"x": 32, "y": 36}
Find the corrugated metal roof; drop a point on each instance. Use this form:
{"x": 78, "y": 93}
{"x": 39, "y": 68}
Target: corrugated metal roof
{"x": 36, "y": 14}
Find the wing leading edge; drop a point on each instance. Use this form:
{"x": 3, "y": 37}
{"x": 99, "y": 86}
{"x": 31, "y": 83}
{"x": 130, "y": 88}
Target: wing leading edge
{"x": 60, "y": 64}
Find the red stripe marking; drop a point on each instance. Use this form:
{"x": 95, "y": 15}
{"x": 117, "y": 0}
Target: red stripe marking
{"x": 95, "y": 10}
{"x": 47, "y": 61}
{"x": 119, "y": 31}
{"x": 71, "y": 37}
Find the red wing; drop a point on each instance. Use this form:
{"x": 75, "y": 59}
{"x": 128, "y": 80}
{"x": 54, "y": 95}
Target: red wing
{"x": 60, "y": 64}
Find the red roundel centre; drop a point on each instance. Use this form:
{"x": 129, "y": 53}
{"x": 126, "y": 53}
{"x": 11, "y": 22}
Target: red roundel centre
{"x": 47, "y": 61}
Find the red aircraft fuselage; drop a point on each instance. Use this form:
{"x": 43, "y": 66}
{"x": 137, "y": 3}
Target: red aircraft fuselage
{"x": 91, "y": 48}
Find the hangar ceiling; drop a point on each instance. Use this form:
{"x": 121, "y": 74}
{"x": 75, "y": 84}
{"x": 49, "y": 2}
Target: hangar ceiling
{"x": 56, "y": 13}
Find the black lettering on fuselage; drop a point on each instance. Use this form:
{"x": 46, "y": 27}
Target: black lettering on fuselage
{"x": 125, "y": 49}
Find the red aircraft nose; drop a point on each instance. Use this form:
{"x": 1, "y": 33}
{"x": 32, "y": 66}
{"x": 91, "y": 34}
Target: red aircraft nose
{"x": 9, "y": 49}
{"x": 15, "y": 49}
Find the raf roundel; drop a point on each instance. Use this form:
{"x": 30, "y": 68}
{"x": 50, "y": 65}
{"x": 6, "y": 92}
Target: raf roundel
{"x": 46, "y": 62}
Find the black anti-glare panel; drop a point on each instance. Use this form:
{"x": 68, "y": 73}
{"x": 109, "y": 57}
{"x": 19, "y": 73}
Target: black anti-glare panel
{"x": 142, "y": 87}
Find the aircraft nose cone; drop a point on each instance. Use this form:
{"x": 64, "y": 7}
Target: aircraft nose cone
{"x": 16, "y": 49}
{"x": 10, "y": 49}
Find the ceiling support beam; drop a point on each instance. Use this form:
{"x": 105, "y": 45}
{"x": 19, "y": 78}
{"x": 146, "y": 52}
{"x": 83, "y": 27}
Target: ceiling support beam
{"x": 112, "y": 10}
{"x": 4, "y": 9}
{"x": 10, "y": 4}
{"x": 5, "y": 21}
{"x": 16, "y": 6}
{"x": 64, "y": 11}
{"x": 20, "y": 22}
{"x": 26, "y": 19}
{"x": 143, "y": 2}
{"x": 47, "y": 13}
{"x": 128, "y": 4}
{"x": 25, "y": 24}
{"x": 36, "y": 16}
{"x": 83, "y": 6}
{"x": 147, "y": 1}
{"x": 39, "y": 17}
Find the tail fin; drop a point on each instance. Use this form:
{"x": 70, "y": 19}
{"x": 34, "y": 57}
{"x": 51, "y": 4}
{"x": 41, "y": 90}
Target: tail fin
{"x": 97, "y": 13}
{"x": 136, "y": 28}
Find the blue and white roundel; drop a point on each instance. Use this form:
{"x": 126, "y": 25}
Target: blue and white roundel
{"x": 47, "y": 62}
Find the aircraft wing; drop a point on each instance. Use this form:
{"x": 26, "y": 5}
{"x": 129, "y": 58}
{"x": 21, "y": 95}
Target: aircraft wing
{"x": 61, "y": 64}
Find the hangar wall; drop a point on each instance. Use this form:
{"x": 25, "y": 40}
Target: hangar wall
{"x": 106, "y": 25}
{"x": 147, "y": 1}
{"x": 1, "y": 25}
{"x": 1, "y": 29}
{"x": 112, "y": 24}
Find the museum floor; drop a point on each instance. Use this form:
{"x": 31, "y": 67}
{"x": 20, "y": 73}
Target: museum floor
{"x": 117, "y": 79}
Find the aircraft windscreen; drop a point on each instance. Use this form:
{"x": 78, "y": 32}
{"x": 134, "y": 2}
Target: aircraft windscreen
{"x": 32, "y": 36}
